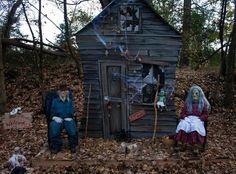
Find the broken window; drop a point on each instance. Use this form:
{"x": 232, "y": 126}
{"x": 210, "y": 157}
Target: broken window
{"x": 130, "y": 18}
{"x": 152, "y": 75}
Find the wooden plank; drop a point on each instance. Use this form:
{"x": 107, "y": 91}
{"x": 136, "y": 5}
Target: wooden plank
{"x": 95, "y": 88}
{"x": 93, "y": 114}
{"x": 164, "y": 53}
{"x": 93, "y": 106}
{"x": 48, "y": 163}
{"x": 93, "y": 101}
{"x": 149, "y": 128}
{"x": 146, "y": 106}
{"x": 150, "y": 123}
{"x": 93, "y": 134}
{"x": 91, "y": 127}
{"x": 163, "y": 119}
{"x": 92, "y": 82}
{"x": 18, "y": 121}
{"x": 133, "y": 40}
{"x": 164, "y": 45}
{"x": 130, "y": 39}
{"x": 93, "y": 96}
{"x": 129, "y": 162}
{"x": 158, "y": 32}
{"x": 90, "y": 67}
{"x": 147, "y": 61}
{"x": 135, "y": 134}
{"x": 157, "y": 27}
{"x": 92, "y": 34}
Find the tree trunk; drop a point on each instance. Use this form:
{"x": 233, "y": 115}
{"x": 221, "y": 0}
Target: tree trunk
{"x": 73, "y": 55}
{"x": 221, "y": 36}
{"x": 185, "y": 53}
{"x": 10, "y": 21}
{"x": 41, "y": 47}
{"x": 6, "y": 34}
{"x": 230, "y": 62}
{"x": 2, "y": 80}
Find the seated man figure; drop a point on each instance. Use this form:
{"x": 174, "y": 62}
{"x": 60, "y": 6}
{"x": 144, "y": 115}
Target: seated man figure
{"x": 62, "y": 117}
{"x": 190, "y": 129}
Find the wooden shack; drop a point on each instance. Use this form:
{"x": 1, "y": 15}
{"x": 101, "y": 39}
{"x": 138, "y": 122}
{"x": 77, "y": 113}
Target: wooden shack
{"x": 128, "y": 52}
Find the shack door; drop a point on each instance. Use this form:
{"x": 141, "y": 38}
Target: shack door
{"x": 112, "y": 77}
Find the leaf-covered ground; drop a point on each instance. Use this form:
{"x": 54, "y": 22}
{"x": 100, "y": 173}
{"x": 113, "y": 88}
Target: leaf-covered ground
{"x": 107, "y": 156}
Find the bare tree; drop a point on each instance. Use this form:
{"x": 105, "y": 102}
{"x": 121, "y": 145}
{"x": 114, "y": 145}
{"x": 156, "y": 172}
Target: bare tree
{"x": 11, "y": 19}
{"x": 185, "y": 56}
{"x": 230, "y": 63}
{"x": 72, "y": 52}
{"x": 41, "y": 45}
{"x": 2, "y": 80}
{"x": 6, "y": 34}
{"x": 221, "y": 36}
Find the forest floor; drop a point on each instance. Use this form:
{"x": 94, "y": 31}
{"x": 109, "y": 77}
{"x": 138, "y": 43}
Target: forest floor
{"x": 96, "y": 155}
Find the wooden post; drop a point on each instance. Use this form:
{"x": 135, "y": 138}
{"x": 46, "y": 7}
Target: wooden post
{"x": 155, "y": 109}
{"x": 2, "y": 80}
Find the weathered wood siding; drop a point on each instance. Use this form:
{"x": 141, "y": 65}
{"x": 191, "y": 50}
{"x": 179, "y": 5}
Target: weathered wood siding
{"x": 102, "y": 40}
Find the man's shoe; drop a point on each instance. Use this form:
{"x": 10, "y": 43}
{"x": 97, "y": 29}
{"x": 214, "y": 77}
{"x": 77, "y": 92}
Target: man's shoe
{"x": 54, "y": 151}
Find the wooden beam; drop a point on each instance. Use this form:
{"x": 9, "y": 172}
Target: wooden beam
{"x": 146, "y": 61}
{"x": 45, "y": 163}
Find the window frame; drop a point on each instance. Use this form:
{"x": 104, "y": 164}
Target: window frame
{"x": 133, "y": 6}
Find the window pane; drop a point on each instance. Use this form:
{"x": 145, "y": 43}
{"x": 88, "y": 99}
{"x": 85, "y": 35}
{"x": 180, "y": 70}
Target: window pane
{"x": 129, "y": 18}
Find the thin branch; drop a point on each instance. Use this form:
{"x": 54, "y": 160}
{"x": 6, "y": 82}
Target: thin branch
{"x": 37, "y": 42}
{"x": 216, "y": 51}
{"x": 53, "y": 45}
{"x": 46, "y": 17}
{"x": 28, "y": 23}
{"x": 77, "y": 3}
{"x": 68, "y": 40}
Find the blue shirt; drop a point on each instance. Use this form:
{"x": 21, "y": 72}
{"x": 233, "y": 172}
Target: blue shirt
{"x": 62, "y": 109}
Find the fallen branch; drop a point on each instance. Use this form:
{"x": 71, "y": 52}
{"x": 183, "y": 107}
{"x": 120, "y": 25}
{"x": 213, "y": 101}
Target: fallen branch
{"x": 17, "y": 43}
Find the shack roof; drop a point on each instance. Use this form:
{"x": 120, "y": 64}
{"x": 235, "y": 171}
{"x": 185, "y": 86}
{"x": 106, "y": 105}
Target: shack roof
{"x": 105, "y": 11}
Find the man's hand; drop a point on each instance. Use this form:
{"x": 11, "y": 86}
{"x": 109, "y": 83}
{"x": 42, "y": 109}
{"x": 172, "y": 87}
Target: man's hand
{"x": 68, "y": 119}
{"x": 57, "y": 119}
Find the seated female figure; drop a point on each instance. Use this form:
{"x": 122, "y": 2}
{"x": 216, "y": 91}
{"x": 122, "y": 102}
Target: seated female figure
{"x": 190, "y": 129}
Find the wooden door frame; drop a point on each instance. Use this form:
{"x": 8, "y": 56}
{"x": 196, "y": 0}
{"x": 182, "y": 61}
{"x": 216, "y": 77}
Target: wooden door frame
{"x": 106, "y": 123}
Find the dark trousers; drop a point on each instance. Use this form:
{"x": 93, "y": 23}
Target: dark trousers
{"x": 18, "y": 170}
{"x": 55, "y": 134}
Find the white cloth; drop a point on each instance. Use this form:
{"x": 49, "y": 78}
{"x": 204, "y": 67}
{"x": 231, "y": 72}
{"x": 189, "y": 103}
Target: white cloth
{"x": 150, "y": 79}
{"x": 15, "y": 111}
{"x": 57, "y": 119}
{"x": 17, "y": 160}
{"x": 190, "y": 124}
{"x": 160, "y": 103}
{"x": 68, "y": 119}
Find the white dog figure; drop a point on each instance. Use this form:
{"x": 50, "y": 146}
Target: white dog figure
{"x": 17, "y": 162}
{"x": 128, "y": 148}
